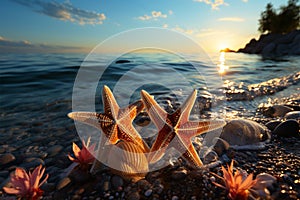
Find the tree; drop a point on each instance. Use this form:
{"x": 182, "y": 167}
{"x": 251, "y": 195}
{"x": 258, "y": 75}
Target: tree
{"x": 287, "y": 20}
{"x": 267, "y": 17}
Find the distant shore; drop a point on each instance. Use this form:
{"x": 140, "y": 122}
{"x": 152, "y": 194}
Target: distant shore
{"x": 274, "y": 44}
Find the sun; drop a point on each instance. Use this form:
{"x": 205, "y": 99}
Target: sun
{"x": 222, "y": 46}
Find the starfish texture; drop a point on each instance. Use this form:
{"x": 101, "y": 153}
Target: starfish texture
{"x": 175, "y": 130}
{"x": 115, "y": 123}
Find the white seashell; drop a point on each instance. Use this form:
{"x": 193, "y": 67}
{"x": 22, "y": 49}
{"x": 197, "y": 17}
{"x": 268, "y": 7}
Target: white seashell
{"x": 128, "y": 160}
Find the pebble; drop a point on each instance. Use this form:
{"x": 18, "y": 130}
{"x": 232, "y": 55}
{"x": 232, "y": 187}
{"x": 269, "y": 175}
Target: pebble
{"x": 293, "y": 115}
{"x": 54, "y": 150}
{"x": 289, "y": 128}
{"x": 175, "y": 198}
{"x": 178, "y": 175}
{"x": 221, "y": 146}
{"x": 63, "y": 183}
{"x": 148, "y": 192}
{"x": 7, "y": 158}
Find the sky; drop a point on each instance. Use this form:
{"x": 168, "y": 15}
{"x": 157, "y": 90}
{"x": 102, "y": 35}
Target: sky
{"x": 78, "y": 26}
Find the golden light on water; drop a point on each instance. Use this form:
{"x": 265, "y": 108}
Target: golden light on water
{"x": 222, "y": 67}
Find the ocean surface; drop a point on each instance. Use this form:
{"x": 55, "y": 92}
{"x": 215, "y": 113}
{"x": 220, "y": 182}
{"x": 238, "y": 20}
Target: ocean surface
{"x": 36, "y": 89}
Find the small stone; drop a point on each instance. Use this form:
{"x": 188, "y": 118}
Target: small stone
{"x": 178, "y": 175}
{"x": 148, "y": 192}
{"x": 7, "y": 158}
{"x": 63, "y": 183}
{"x": 293, "y": 115}
{"x": 54, "y": 150}
{"x": 289, "y": 128}
{"x": 175, "y": 198}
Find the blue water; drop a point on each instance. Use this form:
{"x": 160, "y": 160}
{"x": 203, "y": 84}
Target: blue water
{"x": 37, "y": 88}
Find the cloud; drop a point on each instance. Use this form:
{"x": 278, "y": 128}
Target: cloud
{"x": 231, "y": 19}
{"x": 207, "y": 32}
{"x": 154, "y": 15}
{"x": 63, "y": 11}
{"x": 245, "y": 1}
{"x": 7, "y": 45}
{"x": 165, "y": 26}
{"x": 171, "y": 12}
{"x": 214, "y": 3}
{"x": 186, "y": 31}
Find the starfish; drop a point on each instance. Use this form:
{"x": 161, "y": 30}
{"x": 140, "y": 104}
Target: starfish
{"x": 115, "y": 123}
{"x": 175, "y": 129}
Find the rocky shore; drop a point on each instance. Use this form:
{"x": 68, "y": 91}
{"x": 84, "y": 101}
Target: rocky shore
{"x": 280, "y": 157}
{"x": 274, "y": 44}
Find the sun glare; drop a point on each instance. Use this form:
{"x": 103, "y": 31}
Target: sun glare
{"x": 222, "y": 67}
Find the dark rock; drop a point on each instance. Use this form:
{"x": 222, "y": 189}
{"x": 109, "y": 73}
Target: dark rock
{"x": 221, "y": 146}
{"x": 274, "y": 44}
{"x": 63, "y": 183}
{"x": 293, "y": 115}
{"x": 54, "y": 150}
{"x": 289, "y": 128}
{"x": 277, "y": 111}
{"x": 178, "y": 175}
{"x": 122, "y": 61}
{"x": 272, "y": 125}
{"x": 7, "y": 158}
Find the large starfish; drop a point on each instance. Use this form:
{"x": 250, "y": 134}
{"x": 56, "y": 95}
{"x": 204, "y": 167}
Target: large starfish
{"x": 175, "y": 130}
{"x": 115, "y": 123}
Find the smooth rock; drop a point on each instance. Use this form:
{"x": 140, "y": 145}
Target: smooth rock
{"x": 178, "y": 175}
{"x": 289, "y": 128}
{"x": 240, "y": 132}
{"x": 148, "y": 193}
{"x": 293, "y": 115}
{"x": 54, "y": 150}
{"x": 277, "y": 111}
{"x": 221, "y": 146}
{"x": 7, "y": 158}
{"x": 272, "y": 125}
{"x": 63, "y": 183}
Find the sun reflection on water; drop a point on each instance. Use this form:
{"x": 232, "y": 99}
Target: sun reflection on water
{"x": 222, "y": 67}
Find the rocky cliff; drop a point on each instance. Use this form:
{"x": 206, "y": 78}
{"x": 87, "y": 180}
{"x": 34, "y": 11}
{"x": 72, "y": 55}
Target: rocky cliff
{"x": 274, "y": 44}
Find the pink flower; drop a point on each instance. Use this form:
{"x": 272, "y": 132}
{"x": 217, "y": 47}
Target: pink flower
{"x": 83, "y": 156}
{"x": 27, "y": 185}
{"x": 241, "y": 186}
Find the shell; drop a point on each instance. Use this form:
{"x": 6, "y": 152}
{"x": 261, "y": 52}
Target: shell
{"x": 245, "y": 134}
{"x": 128, "y": 160}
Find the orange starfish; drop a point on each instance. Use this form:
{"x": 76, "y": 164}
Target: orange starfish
{"x": 175, "y": 129}
{"x": 115, "y": 123}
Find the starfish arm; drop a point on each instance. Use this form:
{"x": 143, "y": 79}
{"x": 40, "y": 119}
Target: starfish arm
{"x": 194, "y": 128}
{"x": 110, "y": 104}
{"x": 157, "y": 114}
{"x": 163, "y": 139}
{"x": 96, "y": 120}
{"x": 183, "y": 112}
{"x": 192, "y": 156}
{"x": 129, "y": 134}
